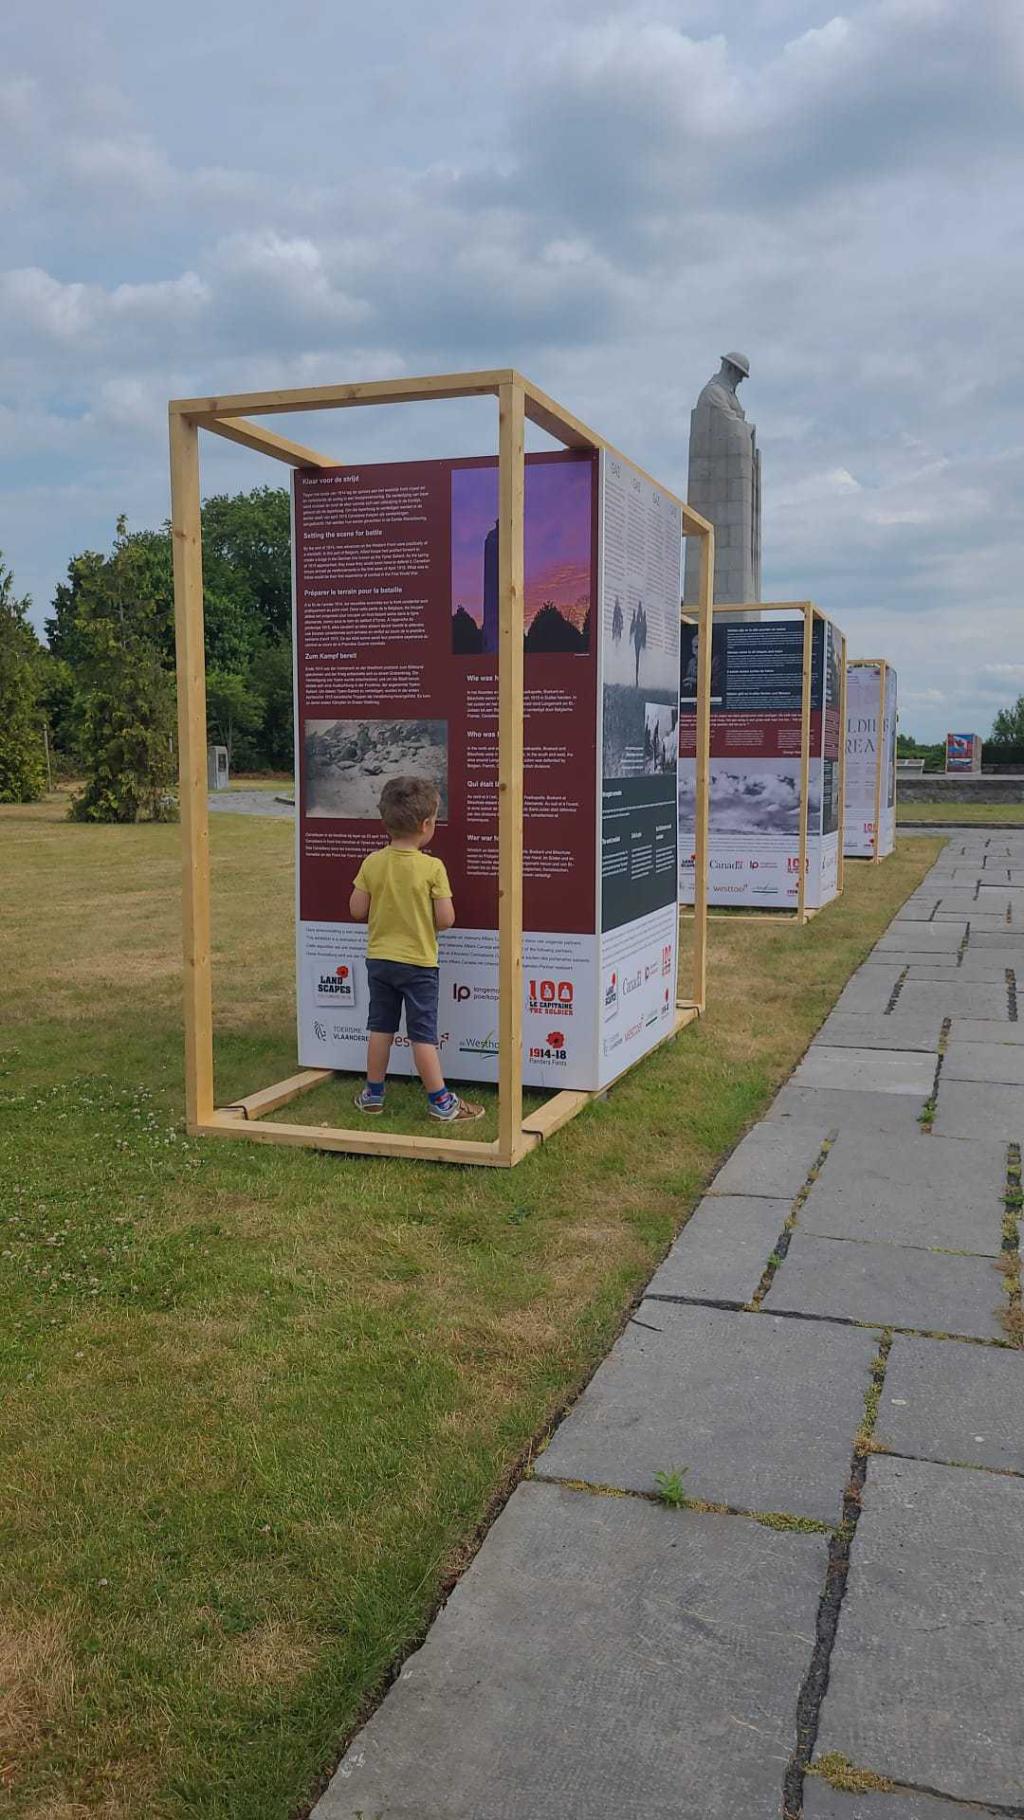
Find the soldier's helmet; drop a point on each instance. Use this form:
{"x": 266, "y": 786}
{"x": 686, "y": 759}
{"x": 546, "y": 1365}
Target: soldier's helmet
{"x": 740, "y": 361}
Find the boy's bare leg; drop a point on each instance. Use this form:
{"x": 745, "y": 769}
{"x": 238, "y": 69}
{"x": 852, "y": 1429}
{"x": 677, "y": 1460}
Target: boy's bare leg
{"x": 428, "y": 1066}
{"x": 378, "y": 1054}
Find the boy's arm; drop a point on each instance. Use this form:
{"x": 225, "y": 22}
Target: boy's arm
{"x": 441, "y": 892}
{"x": 359, "y": 904}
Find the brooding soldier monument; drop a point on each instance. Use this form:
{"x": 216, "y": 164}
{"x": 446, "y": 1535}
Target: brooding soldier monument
{"x": 725, "y": 486}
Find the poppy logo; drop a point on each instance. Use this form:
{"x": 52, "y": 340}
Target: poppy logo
{"x": 556, "y": 1039}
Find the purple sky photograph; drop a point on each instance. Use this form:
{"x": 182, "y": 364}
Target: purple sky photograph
{"x": 558, "y": 535}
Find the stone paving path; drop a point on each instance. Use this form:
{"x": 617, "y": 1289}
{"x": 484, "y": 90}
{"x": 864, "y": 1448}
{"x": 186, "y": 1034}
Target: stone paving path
{"x": 251, "y": 802}
{"x": 825, "y": 1355}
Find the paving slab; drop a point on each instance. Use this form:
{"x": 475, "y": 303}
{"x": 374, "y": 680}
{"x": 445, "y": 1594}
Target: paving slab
{"x": 842, "y": 1031}
{"x": 975, "y": 1109}
{"x": 952, "y": 998}
{"x": 1003, "y": 942}
{"x": 761, "y": 1412}
{"x": 889, "y": 1285}
{"x": 928, "y": 1664}
{"x": 868, "y": 990}
{"x": 601, "y": 1657}
{"x": 924, "y": 1191}
{"x": 971, "y": 968}
{"x": 926, "y": 938}
{"x": 954, "y": 1403}
{"x": 846, "y": 1106}
{"x": 998, "y": 1062}
{"x": 722, "y": 1250}
{"x": 876, "y": 1070}
{"x": 824, "y": 1803}
{"x": 986, "y": 1030}
{"x": 772, "y": 1160}
{"x": 989, "y": 920}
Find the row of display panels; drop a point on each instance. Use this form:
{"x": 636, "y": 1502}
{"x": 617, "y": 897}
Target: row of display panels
{"x": 396, "y": 633}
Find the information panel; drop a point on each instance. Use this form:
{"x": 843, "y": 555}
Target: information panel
{"x": 870, "y": 750}
{"x": 755, "y": 769}
{"x": 396, "y": 631}
{"x": 963, "y": 752}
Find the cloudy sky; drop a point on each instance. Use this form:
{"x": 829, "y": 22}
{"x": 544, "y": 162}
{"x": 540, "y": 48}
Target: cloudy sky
{"x": 224, "y": 194}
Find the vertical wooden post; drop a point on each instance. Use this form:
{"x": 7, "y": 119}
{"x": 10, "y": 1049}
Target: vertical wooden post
{"x": 805, "y": 759}
{"x": 705, "y": 624}
{"x": 186, "y": 537}
{"x": 511, "y": 486}
{"x": 841, "y": 857}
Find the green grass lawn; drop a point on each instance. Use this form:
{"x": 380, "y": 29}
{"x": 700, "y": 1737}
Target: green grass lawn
{"x": 964, "y": 815}
{"x": 257, "y": 1402}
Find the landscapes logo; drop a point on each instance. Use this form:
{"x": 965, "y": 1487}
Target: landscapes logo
{"x": 553, "y": 1050}
{"x": 687, "y": 861}
{"x": 337, "y": 988}
{"x": 550, "y": 998}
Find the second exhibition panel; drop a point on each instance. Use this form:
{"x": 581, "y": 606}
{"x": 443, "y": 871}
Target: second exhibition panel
{"x": 776, "y": 761}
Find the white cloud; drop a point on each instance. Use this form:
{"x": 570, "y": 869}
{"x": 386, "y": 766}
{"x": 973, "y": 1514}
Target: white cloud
{"x": 603, "y": 198}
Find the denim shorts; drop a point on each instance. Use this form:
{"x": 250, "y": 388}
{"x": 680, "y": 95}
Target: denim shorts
{"x": 394, "y": 984}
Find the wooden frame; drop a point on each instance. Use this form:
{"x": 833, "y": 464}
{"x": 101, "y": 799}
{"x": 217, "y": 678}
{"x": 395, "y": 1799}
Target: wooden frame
{"x": 230, "y": 417}
{"x": 803, "y": 912}
{"x": 883, "y": 667}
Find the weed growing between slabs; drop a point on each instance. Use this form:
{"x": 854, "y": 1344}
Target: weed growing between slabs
{"x": 257, "y": 1403}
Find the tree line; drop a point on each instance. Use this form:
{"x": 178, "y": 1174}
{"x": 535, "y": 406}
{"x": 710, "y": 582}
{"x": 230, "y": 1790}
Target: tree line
{"x": 97, "y": 699}
{"x": 100, "y": 692}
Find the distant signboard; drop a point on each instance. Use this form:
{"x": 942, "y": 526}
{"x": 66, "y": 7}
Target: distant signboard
{"x": 963, "y": 752}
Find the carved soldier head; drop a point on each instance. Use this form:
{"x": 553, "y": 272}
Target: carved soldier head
{"x": 735, "y": 368}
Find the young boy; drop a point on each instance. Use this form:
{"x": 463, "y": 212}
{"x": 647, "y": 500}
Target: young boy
{"x": 405, "y": 897}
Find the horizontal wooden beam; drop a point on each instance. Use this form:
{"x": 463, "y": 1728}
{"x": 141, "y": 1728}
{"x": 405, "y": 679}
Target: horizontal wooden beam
{"x": 267, "y": 442}
{"x": 565, "y": 428}
{"x": 693, "y": 523}
{"x": 268, "y": 1099}
{"x": 766, "y": 606}
{"x": 337, "y": 397}
{"x": 556, "y": 1112}
{"x": 359, "y": 1143}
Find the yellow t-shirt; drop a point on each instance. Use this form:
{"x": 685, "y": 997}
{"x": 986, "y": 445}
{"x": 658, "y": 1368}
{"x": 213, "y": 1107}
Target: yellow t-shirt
{"x": 402, "y": 883}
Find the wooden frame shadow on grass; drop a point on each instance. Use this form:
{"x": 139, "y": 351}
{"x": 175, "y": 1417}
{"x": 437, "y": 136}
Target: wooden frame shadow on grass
{"x": 518, "y": 400}
{"x": 803, "y": 912}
